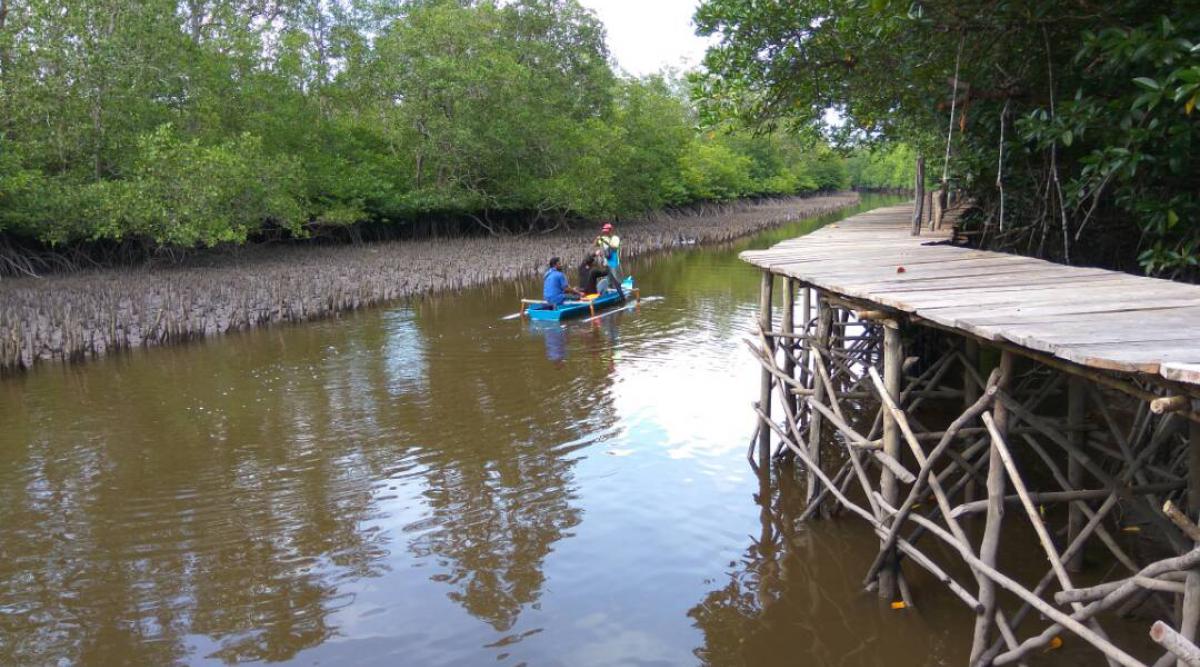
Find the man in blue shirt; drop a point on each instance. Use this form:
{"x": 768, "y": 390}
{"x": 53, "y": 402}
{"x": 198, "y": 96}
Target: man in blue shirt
{"x": 555, "y": 288}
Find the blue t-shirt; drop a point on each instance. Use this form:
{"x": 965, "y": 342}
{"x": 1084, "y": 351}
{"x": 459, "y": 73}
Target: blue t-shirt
{"x": 554, "y": 289}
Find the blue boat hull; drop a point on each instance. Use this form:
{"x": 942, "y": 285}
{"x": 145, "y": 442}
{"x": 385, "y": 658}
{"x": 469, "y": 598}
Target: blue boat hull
{"x": 543, "y": 313}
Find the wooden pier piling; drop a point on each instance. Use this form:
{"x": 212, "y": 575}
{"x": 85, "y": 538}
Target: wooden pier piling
{"x": 819, "y": 348}
{"x": 1093, "y": 396}
{"x": 765, "y": 318}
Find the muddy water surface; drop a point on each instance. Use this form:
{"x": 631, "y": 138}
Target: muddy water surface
{"x": 428, "y": 484}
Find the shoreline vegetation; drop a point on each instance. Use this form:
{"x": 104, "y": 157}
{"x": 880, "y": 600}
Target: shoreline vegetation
{"x": 72, "y": 317}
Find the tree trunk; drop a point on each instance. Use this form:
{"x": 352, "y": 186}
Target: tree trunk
{"x": 919, "y": 195}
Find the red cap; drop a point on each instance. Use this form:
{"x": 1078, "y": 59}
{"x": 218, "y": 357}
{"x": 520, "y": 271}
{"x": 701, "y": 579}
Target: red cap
{"x": 607, "y": 227}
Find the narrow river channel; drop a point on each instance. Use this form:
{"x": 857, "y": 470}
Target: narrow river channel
{"x": 429, "y": 484}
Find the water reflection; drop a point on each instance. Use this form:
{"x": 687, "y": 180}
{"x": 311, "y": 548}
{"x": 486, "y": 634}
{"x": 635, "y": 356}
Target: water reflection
{"x": 555, "y": 337}
{"x": 499, "y": 485}
{"x": 212, "y": 508}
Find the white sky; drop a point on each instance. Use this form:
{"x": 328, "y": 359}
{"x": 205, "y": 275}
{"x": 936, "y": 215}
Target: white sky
{"x": 647, "y": 35}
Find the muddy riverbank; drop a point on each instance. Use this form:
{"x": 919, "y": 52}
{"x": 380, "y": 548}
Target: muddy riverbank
{"x": 76, "y": 316}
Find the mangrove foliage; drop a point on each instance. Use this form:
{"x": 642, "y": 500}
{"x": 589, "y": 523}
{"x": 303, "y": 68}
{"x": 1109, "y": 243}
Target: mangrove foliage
{"x": 186, "y": 123}
{"x": 1071, "y": 125}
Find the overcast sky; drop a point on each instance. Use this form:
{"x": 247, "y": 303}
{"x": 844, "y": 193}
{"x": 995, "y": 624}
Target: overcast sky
{"x": 647, "y": 35}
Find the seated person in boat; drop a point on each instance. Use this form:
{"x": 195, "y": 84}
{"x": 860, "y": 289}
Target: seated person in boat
{"x": 555, "y": 289}
{"x": 607, "y": 278}
{"x": 594, "y": 274}
{"x": 585, "y": 270}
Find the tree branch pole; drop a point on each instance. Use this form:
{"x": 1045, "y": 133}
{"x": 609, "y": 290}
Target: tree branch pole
{"x": 903, "y": 545}
{"x": 1039, "y": 526}
{"x": 943, "y": 501}
{"x": 1109, "y": 503}
{"x": 990, "y": 545}
{"x": 1184, "y": 562}
{"x": 1000, "y": 579}
{"x": 915, "y": 492}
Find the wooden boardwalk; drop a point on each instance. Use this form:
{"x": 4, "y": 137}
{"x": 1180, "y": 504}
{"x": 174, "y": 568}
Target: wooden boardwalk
{"x": 1092, "y": 317}
{"x": 1082, "y": 418}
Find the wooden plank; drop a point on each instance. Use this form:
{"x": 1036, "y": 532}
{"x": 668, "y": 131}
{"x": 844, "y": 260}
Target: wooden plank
{"x": 1048, "y": 310}
{"x": 1132, "y": 357}
{"x": 1181, "y": 372}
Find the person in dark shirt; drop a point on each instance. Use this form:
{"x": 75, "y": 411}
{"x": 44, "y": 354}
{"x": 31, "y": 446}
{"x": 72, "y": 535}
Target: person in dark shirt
{"x": 585, "y": 271}
{"x": 598, "y": 277}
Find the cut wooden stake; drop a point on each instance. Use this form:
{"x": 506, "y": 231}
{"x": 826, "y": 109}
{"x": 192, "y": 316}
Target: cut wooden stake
{"x": 1169, "y": 404}
{"x": 1166, "y": 637}
{"x": 1181, "y": 520}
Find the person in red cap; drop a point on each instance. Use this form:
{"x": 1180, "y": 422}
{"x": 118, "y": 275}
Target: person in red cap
{"x": 610, "y": 243}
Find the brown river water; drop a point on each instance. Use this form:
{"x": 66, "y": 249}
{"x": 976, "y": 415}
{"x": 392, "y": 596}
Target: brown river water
{"x": 429, "y": 484}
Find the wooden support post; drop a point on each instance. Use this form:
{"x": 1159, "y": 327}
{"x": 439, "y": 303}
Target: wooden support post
{"x": 1076, "y": 404}
{"x": 1193, "y": 476}
{"x": 1190, "y": 617}
{"x": 765, "y": 322}
{"x": 787, "y": 324}
{"x": 805, "y": 316}
{"x": 893, "y": 359}
{"x": 821, "y": 342}
{"x": 919, "y": 195}
{"x": 970, "y": 391}
{"x": 995, "y": 515}
{"x": 938, "y": 205}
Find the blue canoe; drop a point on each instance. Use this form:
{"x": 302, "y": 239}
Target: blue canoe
{"x": 541, "y": 311}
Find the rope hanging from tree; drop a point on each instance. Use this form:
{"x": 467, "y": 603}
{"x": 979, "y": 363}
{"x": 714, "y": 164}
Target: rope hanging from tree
{"x": 1000, "y": 164}
{"x": 953, "y": 104}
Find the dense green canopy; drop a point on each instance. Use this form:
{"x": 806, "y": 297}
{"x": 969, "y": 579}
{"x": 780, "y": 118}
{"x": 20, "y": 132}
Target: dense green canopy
{"x": 1082, "y": 111}
{"x": 198, "y": 122}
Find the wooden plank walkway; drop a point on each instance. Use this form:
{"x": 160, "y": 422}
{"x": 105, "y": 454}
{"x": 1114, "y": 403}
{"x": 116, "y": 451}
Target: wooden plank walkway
{"x": 1092, "y": 317}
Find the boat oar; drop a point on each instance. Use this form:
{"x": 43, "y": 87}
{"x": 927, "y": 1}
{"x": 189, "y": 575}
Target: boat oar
{"x": 610, "y": 312}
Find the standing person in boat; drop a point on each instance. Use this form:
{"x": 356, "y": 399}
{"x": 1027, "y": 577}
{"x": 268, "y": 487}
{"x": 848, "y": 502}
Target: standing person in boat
{"x": 610, "y": 243}
{"x": 555, "y": 288}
